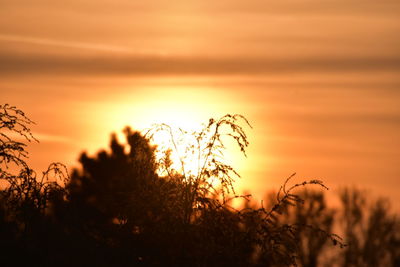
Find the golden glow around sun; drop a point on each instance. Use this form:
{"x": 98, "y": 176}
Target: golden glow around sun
{"x": 178, "y": 107}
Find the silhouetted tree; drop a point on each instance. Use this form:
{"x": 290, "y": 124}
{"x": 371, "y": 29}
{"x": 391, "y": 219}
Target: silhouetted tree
{"x": 118, "y": 193}
{"x": 372, "y": 233}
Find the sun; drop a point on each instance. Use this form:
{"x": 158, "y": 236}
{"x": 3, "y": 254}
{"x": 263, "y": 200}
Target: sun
{"x": 185, "y": 110}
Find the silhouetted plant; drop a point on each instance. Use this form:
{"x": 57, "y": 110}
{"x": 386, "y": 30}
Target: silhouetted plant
{"x": 278, "y": 238}
{"x": 13, "y": 124}
{"x": 26, "y": 199}
{"x": 212, "y": 175}
{"x": 24, "y": 191}
{"x": 315, "y": 220}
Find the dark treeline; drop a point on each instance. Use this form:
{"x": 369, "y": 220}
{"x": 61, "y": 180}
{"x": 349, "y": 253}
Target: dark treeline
{"x": 117, "y": 210}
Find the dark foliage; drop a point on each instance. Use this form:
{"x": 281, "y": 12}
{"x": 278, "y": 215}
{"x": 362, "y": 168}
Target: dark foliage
{"x": 126, "y": 207}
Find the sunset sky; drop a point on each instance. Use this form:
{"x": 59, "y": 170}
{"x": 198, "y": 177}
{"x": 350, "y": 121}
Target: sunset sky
{"x": 318, "y": 80}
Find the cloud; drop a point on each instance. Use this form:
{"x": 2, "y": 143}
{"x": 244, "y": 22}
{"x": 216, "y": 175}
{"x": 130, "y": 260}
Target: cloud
{"x": 52, "y": 42}
{"x": 128, "y": 64}
{"x": 41, "y": 137}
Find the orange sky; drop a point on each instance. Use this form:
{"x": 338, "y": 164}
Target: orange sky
{"x": 319, "y": 80}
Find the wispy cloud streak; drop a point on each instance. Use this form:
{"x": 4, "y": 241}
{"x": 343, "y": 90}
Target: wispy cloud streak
{"x": 57, "y": 43}
{"x": 163, "y": 65}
